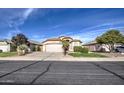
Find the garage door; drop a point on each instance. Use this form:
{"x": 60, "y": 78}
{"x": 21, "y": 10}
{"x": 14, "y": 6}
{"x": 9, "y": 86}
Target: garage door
{"x": 54, "y": 48}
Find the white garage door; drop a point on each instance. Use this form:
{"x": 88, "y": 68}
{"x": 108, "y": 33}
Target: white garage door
{"x": 54, "y": 48}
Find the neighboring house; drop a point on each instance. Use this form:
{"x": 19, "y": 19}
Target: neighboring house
{"x": 55, "y": 44}
{"x": 34, "y": 44}
{"x": 94, "y": 46}
{"x": 5, "y": 45}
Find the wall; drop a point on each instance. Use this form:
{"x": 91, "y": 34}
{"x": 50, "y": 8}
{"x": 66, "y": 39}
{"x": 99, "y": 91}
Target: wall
{"x": 5, "y": 48}
{"x": 71, "y": 48}
{"x": 54, "y": 46}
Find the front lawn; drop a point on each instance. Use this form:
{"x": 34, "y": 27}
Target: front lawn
{"x": 8, "y": 54}
{"x": 78, "y": 54}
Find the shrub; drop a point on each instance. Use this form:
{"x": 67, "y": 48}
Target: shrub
{"x": 77, "y": 48}
{"x": 37, "y": 48}
{"x": 85, "y": 50}
{"x": 1, "y": 51}
{"x": 13, "y": 47}
{"x": 22, "y": 49}
{"x": 80, "y": 49}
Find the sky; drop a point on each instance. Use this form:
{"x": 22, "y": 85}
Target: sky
{"x": 43, "y": 23}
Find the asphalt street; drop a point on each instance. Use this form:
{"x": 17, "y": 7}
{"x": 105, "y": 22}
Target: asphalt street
{"x": 61, "y": 73}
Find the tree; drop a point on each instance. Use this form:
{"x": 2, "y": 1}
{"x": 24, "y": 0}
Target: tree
{"x": 110, "y": 38}
{"x": 19, "y": 39}
{"x": 65, "y": 46}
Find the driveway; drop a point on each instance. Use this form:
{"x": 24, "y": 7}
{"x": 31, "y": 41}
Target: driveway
{"x": 61, "y": 73}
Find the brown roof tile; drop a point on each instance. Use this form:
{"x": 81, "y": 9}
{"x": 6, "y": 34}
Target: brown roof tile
{"x": 52, "y": 39}
{"x": 76, "y": 40}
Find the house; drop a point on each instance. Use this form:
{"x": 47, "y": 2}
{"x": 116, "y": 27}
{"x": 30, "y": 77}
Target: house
{"x": 55, "y": 44}
{"x": 35, "y": 46}
{"x": 95, "y": 47}
{"x": 5, "y": 45}
{"x": 49, "y": 45}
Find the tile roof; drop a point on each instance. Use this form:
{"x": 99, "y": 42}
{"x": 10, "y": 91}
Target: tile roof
{"x": 34, "y": 42}
{"x": 91, "y": 43}
{"x": 77, "y": 40}
{"x": 52, "y": 39}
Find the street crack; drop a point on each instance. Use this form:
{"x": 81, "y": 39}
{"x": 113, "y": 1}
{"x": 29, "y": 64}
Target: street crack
{"x": 41, "y": 74}
{"x": 108, "y": 70}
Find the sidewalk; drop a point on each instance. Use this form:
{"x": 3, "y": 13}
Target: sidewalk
{"x": 34, "y": 56}
{"x": 87, "y": 59}
{"x": 38, "y": 56}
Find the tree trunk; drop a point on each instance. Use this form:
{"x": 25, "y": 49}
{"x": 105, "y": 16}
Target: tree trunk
{"x": 112, "y": 48}
{"x": 108, "y": 46}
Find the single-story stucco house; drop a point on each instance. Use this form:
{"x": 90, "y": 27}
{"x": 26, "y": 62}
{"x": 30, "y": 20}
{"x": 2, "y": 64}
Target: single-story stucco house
{"x": 94, "y": 46}
{"x": 5, "y": 45}
{"x": 34, "y": 44}
{"x": 55, "y": 44}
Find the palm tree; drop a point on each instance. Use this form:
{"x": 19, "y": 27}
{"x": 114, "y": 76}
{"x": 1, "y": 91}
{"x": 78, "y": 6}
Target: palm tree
{"x": 65, "y": 46}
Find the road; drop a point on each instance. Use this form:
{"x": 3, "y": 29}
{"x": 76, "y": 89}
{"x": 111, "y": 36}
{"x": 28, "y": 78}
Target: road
{"x": 61, "y": 73}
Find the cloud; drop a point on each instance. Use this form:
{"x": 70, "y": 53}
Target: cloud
{"x": 13, "y": 33}
{"x": 90, "y": 35}
{"x": 27, "y": 12}
{"x": 104, "y": 26}
{"x": 17, "y": 20}
{"x": 56, "y": 26}
{"x": 36, "y": 37}
{"x": 20, "y": 19}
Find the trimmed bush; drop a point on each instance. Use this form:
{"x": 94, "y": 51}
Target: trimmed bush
{"x": 80, "y": 49}
{"x": 77, "y": 48}
{"x": 85, "y": 50}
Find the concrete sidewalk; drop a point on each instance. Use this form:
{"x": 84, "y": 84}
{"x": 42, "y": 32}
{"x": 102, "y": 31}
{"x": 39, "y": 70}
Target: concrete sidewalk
{"x": 86, "y": 59}
{"x": 34, "y": 56}
{"x": 38, "y": 56}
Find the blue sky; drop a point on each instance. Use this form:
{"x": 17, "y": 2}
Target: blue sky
{"x": 40, "y": 24}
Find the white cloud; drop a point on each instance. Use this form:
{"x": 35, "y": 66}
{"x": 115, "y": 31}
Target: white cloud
{"x": 89, "y": 35}
{"x": 20, "y": 18}
{"x": 92, "y": 34}
{"x": 27, "y": 12}
{"x": 13, "y": 33}
{"x": 36, "y": 37}
{"x": 17, "y": 20}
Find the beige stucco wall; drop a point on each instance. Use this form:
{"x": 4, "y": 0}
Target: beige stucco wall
{"x": 56, "y": 46}
{"x": 97, "y": 47}
{"x": 72, "y": 44}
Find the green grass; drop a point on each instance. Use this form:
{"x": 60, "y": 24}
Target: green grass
{"x": 8, "y": 54}
{"x": 78, "y": 54}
